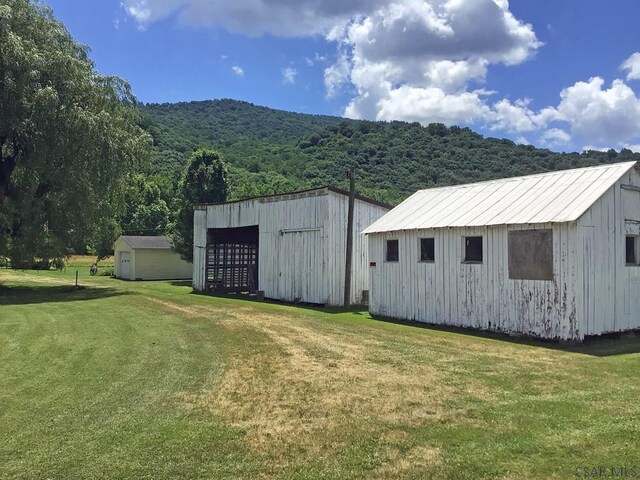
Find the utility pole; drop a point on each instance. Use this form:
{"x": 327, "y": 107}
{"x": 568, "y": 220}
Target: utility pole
{"x": 349, "y": 253}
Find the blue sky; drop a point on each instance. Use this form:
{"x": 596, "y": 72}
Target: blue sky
{"x": 559, "y": 74}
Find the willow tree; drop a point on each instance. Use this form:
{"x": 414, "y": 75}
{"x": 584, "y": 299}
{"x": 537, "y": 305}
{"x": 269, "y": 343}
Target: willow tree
{"x": 68, "y": 136}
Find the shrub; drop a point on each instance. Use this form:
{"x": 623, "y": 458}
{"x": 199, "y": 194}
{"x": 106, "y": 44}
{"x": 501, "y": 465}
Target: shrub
{"x": 107, "y": 272}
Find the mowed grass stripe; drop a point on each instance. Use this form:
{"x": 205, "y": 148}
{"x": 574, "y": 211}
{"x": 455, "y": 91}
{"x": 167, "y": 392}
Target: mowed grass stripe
{"x": 93, "y": 392}
{"x": 146, "y": 380}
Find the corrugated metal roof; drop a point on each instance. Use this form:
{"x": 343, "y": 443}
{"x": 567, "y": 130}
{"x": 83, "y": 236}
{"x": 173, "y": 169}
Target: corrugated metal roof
{"x": 135, "y": 241}
{"x": 552, "y": 197}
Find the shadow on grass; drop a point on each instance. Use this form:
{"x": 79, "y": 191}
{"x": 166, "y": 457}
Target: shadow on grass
{"x": 245, "y": 297}
{"x": 10, "y": 295}
{"x": 602, "y": 346}
{"x": 181, "y": 283}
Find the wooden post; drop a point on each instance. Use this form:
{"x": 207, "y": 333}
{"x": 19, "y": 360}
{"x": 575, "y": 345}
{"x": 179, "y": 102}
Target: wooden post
{"x": 349, "y": 253}
{"x": 76, "y": 279}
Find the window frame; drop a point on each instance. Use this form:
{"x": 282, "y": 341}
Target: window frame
{"x": 540, "y": 262}
{"x": 636, "y": 242}
{"x": 386, "y": 250}
{"x": 465, "y": 252}
{"x": 433, "y": 250}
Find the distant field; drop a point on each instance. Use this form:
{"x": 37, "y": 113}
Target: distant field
{"x": 87, "y": 261}
{"x": 146, "y": 380}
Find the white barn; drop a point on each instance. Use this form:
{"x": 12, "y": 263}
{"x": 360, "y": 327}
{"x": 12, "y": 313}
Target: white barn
{"x": 555, "y": 255}
{"x": 292, "y": 246}
{"x": 148, "y": 258}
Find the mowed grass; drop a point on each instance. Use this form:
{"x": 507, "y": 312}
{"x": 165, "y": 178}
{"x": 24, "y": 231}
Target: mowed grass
{"x": 147, "y": 380}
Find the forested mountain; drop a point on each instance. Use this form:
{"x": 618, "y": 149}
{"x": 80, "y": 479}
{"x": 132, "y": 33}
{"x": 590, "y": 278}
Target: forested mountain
{"x": 271, "y": 151}
{"x": 237, "y": 129}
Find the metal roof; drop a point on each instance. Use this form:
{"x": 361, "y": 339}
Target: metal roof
{"x": 302, "y": 194}
{"x": 147, "y": 241}
{"x": 552, "y": 197}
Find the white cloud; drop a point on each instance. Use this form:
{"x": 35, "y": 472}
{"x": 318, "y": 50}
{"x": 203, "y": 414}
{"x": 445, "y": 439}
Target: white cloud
{"x": 595, "y": 148}
{"x": 555, "y": 138}
{"x": 593, "y": 113}
{"x": 451, "y": 76}
{"x": 138, "y": 10}
{"x": 601, "y": 115}
{"x": 632, "y": 65}
{"x": 513, "y": 117}
{"x": 289, "y": 75}
{"x": 415, "y": 104}
{"x": 337, "y": 74}
{"x": 417, "y": 59}
{"x": 254, "y": 17}
{"x": 317, "y": 58}
{"x": 238, "y": 71}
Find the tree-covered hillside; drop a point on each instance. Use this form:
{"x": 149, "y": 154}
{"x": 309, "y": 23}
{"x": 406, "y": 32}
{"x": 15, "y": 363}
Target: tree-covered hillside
{"x": 271, "y": 151}
{"x": 240, "y": 130}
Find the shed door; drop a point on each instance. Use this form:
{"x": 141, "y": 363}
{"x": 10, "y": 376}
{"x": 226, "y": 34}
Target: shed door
{"x": 125, "y": 265}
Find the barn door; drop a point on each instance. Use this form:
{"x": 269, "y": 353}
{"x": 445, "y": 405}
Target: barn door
{"x": 300, "y": 264}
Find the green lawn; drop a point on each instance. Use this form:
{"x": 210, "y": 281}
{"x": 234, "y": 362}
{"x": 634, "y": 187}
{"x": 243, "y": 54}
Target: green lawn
{"x": 146, "y": 380}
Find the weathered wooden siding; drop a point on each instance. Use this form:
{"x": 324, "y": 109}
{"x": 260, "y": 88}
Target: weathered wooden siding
{"x": 302, "y": 243}
{"x": 199, "y": 247}
{"x": 365, "y": 214}
{"x": 233, "y": 215}
{"x": 608, "y": 289}
{"x": 292, "y": 255}
{"x": 451, "y": 292}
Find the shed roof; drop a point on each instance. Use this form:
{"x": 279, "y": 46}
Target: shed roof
{"x": 158, "y": 242}
{"x": 302, "y": 194}
{"x": 553, "y": 197}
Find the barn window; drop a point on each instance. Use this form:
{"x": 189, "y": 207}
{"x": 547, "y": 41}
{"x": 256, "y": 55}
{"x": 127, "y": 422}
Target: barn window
{"x": 392, "y": 254}
{"x": 632, "y": 250}
{"x": 473, "y": 249}
{"x": 427, "y": 250}
{"x": 531, "y": 255}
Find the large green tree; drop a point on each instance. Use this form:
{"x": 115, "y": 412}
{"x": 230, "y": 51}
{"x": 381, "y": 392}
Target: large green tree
{"x": 68, "y": 136}
{"x": 145, "y": 212}
{"x": 204, "y": 181}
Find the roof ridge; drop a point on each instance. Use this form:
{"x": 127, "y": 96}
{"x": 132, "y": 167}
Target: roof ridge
{"x": 520, "y": 177}
{"x": 552, "y": 197}
{"x": 330, "y": 188}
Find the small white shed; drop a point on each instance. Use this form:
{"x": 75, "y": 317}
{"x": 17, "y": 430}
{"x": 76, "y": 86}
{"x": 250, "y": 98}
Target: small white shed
{"x": 292, "y": 246}
{"x": 555, "y": 255}
{"x": 148, "y": 258}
